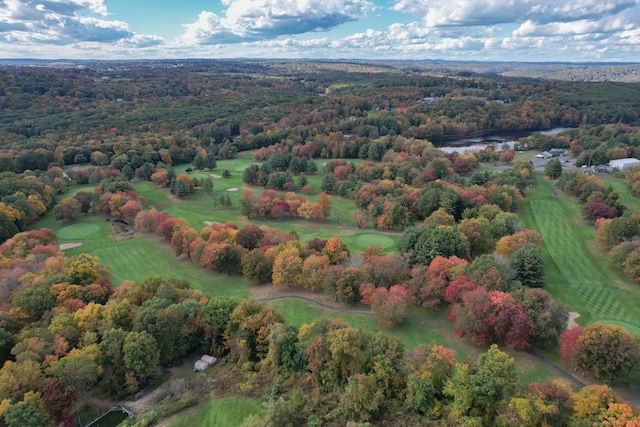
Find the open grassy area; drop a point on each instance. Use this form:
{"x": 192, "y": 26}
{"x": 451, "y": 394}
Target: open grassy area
{"x": 578, "y": 272}
{"x": 145, "y": 255}
{"x": 413, "y": 333}
{"x": 632, "y": 203}
{"x": 199, "y": 208}
{"x": 226, "y": 411}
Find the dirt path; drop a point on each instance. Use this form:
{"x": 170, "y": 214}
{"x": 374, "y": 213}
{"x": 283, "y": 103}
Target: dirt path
{"x": 144, "y": 403}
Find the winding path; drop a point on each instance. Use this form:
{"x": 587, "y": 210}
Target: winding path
{"x": 538, "y": 356}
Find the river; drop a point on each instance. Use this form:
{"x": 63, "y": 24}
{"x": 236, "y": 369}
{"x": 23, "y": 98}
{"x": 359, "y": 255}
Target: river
{"x": 499, "y": 138}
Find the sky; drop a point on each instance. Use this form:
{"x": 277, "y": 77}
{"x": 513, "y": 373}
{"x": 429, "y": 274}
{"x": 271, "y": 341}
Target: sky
{"x": 466, "y": 30}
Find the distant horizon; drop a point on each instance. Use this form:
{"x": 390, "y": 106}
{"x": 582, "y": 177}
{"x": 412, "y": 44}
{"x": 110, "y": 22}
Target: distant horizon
{"x": 319, "y": 59}
{"x": 526, "y": 31}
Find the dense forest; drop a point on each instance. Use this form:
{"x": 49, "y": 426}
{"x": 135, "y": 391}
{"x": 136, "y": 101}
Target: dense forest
{"x": 363, "y": 132}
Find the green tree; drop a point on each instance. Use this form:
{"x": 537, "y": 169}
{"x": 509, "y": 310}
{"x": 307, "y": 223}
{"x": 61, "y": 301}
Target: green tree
{"x": 33, "y": 301}
{"x": 247, "y": 207}
{"x": 28, "y": 412}
{"x": 210, "y": 161}
{"x": 180, "y": 188}
{"x": 214, "y": 317}
{"x": 436, "y": 241}
{"x": 529, "y": 266}
{"x": 256, "y": 267}
{"x": 207, "y": 186}
{"x": 362, "y": 398}
{"x": 328, "y": 184}
{"x": 615, "y": 231}
{"x": 553, "y": 168}
{"x": 141, "y": 355}
{"x": 198, "y": 162}
{"x": 76, "y": 370}
{"x": 480, "y": 387}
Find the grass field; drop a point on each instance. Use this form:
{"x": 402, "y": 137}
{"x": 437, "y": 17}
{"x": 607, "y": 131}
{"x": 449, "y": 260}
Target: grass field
{"x": 577, "y": 270}
{"x": 142, "y": 256}
{"x": 413, "y": 333}
{"x": 226, "y": 411}
{"x": 632, "y": 203}
{"x": 199, "y": 208}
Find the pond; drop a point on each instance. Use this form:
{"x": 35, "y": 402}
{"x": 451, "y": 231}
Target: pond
{"x": 499, "y": 138}
{"x": 112, "y": 418}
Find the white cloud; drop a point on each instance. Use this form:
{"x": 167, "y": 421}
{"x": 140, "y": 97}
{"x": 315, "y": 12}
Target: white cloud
{"x": 267, "y": 19}
{"x": 60, "y": 22}
{"x": 607, "y": 24}
{"x": 439, "y": 13}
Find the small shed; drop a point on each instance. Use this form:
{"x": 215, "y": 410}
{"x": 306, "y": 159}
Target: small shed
{"x": 200, "y": 366}
{"x": 209, "y": 359}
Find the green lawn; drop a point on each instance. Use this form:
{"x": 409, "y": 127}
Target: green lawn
{"x": 413, "y": 333}
{"x": 632, "y": 203}
{"x": 578, "y": 272}
{"x": 226, "y": 411}
{"x": 145, "y": 255}
{"x": 198, "y": 208}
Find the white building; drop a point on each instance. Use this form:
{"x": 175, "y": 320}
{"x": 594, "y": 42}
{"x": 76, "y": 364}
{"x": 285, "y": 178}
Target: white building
{"x": 622, "y": 164}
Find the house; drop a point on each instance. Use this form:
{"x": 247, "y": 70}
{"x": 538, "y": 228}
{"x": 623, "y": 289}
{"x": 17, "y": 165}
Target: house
{"x": 601, "y": 169}
{"x": 557, "y": 152}
{"x": 622, "y": 164}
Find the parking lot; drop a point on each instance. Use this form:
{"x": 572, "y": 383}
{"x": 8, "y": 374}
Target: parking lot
{"x": 539, "y": 164}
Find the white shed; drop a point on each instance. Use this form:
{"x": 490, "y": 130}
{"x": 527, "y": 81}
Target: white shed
{"x": 200, "y": 366}
{"x": 622, "y": 164}
{"x": 209, "y": 359}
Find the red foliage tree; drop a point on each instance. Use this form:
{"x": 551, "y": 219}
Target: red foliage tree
{"x": 385, "y": 270}
{"x": 457, "y": 288}
{"x": 388, "y": 305}
{"x": 440, "y": 273}
{"x": 598, "y": 209}
{"x": 249, "y": 237}
{"x": 492, "y": 317}
{"x": 169, "y": 226}
{"x": 568, "y": 342}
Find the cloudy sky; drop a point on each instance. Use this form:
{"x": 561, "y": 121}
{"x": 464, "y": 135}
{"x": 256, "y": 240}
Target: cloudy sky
{"x": 506, "y": 30}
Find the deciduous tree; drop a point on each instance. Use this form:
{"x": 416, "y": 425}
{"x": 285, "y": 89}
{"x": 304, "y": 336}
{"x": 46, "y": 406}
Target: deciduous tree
{"x": 608, "y": 351}
{"x": 287, "y": 268}
{"x": 140, "y": 355}
{"x": 336, "y": 251}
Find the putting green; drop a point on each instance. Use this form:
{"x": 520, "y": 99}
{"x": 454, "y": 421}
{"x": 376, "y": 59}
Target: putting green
{"x": 78, "y": 231}
{"x": 370, "y": 239}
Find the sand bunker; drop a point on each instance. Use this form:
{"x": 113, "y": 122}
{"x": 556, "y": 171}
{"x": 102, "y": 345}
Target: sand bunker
{"x": 572, "y": 319}
{"x": 64, "y": 246}
{"x": 232, "y": 189}
{"x": 216, "y": 176}
{"x": 210, "y": 223}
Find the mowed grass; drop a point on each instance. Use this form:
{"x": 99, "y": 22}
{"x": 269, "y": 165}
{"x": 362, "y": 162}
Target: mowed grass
{"x": 225, "y": 411}
{"x": 143, "y": 256}
{"x": 626, "y": 198}
{"x": 413, "y": 333}
{"x": 578, "y": 271}
{"x": 198, "y": 209}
